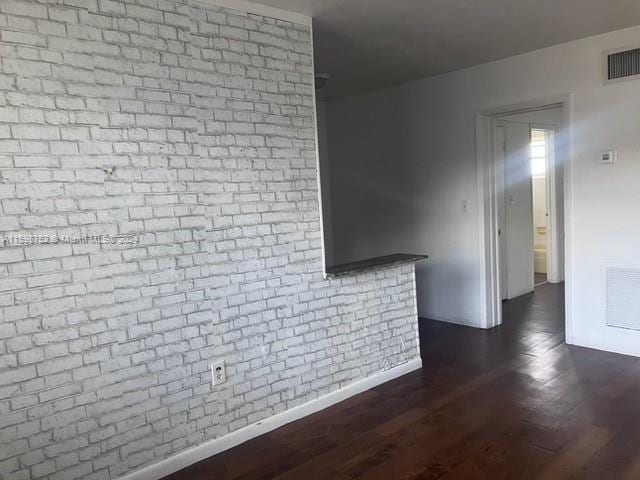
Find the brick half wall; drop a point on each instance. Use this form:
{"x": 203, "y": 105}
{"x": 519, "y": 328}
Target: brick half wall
{"x": 159, "y": 210}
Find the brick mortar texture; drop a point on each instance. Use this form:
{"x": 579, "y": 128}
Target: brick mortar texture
{"x": 191, "y": 129}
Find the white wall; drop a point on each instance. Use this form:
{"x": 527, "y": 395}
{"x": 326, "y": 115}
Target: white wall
{"x": 371, "y": 207}
{"x": 325, "y": 181}
{"x": 426, "y": 128}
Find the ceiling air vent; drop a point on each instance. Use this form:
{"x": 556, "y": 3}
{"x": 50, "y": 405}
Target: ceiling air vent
{"x": 623, "y": 298}
{"x": 622, "y": 65}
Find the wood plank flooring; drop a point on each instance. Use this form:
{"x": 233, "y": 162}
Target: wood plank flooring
{"x": 511, "y": 403}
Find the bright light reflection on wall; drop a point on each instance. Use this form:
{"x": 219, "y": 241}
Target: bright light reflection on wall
{"x": 538, "y": 153}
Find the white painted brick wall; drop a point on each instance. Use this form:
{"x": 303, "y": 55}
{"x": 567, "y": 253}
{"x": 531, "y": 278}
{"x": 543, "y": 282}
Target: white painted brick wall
{"x": 192, "y": 129}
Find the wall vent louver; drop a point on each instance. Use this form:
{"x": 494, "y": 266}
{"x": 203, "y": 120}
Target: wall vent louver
{"x": 623, "y": 64}
{"x": 623, "y": 298}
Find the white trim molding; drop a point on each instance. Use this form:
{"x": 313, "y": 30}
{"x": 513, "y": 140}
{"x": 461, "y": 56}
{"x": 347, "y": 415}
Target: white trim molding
{"x": 201, "y": 452}
{"x": 260, "y": 9}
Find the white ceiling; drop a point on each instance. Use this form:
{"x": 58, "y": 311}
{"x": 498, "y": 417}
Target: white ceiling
{"x": 368, "y": 44}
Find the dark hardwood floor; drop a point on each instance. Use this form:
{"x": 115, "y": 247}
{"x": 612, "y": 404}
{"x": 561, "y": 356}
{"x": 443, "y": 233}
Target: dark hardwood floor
{"x": 511, "y": 403}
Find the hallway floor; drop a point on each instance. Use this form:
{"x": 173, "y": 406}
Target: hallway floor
{"x": 514, "y": 402}
{"x": 539, "y": 279}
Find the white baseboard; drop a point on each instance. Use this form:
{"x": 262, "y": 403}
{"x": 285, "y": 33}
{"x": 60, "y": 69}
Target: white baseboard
{"x": 212, "y": 447}
{"x": 456, "y": 321}
{"x": 629, "y": 347}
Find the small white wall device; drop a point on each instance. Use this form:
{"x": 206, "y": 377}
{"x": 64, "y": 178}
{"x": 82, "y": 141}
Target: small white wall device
{"x": 608, "y": 157}
{"x": 218, "y": 373}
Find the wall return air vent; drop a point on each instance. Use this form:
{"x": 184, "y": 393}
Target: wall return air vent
{"x": 622, "y": 65}
{"x": 623, "y": 298}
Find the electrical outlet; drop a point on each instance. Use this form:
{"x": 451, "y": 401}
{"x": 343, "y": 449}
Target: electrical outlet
{"x": 218, "y": 373}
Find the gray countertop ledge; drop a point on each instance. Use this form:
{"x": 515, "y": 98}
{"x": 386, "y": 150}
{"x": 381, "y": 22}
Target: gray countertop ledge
{"x": 372, "y": 263}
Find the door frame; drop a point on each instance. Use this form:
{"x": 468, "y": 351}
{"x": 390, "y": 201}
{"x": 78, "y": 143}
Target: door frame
{"x": 488, "y": 244}
{"x": 499, "y": 140}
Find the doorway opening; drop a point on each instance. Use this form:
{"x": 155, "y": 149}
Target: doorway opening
{"x": 541, "y": 147}
{"x": 526, "y": 176}
{"x": 522, "y": 155}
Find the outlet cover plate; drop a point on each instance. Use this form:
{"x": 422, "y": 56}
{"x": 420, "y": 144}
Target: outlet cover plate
{"x": 218, "y": 373}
